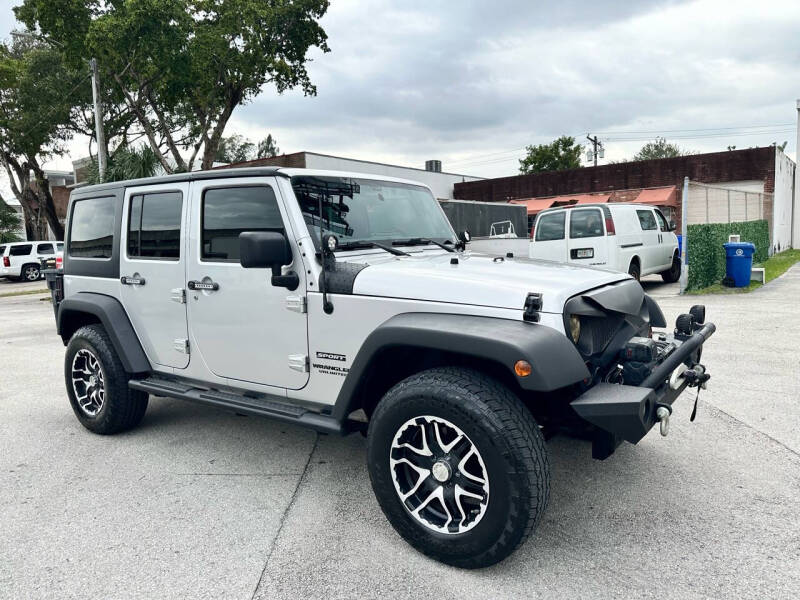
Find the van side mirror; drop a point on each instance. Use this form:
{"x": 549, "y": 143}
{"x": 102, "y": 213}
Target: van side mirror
{"x": 672, "y": 226}
{"x": 268, "y": 250}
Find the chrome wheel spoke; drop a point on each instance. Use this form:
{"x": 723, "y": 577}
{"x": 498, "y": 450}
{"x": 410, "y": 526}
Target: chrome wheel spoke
{"x": 88, "y": 382}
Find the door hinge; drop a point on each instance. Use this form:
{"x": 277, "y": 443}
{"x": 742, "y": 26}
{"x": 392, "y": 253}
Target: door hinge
{"x": 297, "y": 304}
{"x": 298, "y": 362}
{"x": 178, "y": 295}
{"x": 181, "y": 345}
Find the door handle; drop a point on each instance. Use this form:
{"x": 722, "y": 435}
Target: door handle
{"x": 211, "y": 286}
{"x": 125, "y": 280}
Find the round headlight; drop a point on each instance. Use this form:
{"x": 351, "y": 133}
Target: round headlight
{"x": 575, "y": 328}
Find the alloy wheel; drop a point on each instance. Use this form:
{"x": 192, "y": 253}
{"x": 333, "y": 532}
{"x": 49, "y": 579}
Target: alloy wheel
{"x": 439, "y": 475}
{"x": 31, "y": 273}
{"x": 88, "y": 382}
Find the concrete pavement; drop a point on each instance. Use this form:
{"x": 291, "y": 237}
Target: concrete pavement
{"x": 197, "y": 503}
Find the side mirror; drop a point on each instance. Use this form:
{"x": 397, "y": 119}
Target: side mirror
{"x": 672, "y": 226}
{"x": 268, "y": 250}
{"x": 463, "y": 238}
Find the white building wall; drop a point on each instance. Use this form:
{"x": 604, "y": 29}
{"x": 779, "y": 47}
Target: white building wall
{"x": 783, "y": 201}
{"x": 440, "y": 183}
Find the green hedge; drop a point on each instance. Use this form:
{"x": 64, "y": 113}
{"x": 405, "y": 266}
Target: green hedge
{"x": 707, "y": 256}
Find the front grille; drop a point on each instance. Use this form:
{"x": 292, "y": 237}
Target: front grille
{"x": 596, "y": 333}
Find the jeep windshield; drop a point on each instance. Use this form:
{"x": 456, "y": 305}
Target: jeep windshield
{"x": 360, "y": 211}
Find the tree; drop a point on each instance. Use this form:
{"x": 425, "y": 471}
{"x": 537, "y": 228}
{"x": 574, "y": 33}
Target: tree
{"x": 126, "y": 162}
{"x": 660, "y": 148}
{"x": 559, "y": 155}
{"x": 235, "y": 149}
{"x": 268, "y": 147}
{"x": 9, "y": 223}
{"x": 181, "y": 67}
{"x": 39, "y": 99}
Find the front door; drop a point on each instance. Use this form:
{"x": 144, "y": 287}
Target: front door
{"x": 241, "y": 325}
{"x": 153, "y": 270}
{"x": 651, "y": 250}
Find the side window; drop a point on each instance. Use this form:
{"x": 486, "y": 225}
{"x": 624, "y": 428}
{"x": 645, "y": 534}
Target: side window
{"x": 550, "y": 227}
{"x": 45, "y": 249}
{"x": 22, "y": 250}
{"x": 647, "y": 220}
{"x": 662, "y": 222}
{"x": 227, "y": 212}
{"x": 2, "y": 250}
{"x": 59, "y": 246}
{"x": 154, "y": 226}
{"x": 92, "y": 228}
{"x": 585, "y": 223}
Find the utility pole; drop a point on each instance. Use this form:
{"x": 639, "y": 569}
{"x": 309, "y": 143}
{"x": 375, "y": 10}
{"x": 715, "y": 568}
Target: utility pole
{"x": 102, "y": 159}
{"x": 684, "y": 234}
{"x": 596, "y": 143}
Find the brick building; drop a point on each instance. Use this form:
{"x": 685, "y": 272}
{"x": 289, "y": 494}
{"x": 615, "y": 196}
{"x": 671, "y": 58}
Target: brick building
{"x": 752, "y": 171}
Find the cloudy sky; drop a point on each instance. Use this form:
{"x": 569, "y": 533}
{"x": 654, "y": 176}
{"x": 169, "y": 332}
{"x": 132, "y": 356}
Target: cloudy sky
{"x": 471, "y": 83}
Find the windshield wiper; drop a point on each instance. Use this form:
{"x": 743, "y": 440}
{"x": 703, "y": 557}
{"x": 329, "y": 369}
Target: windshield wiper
{"x": 423, "y": 242}
{"x": 367, "y": 244}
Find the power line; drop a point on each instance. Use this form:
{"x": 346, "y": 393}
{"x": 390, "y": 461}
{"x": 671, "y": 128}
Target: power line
{"x": 623, "y": 131}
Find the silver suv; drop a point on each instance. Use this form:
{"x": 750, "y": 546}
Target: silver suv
{"x": 346, "y": 302}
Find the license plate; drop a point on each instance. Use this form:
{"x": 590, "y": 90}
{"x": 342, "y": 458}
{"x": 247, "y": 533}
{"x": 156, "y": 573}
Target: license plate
{"x": 584, "y": 253}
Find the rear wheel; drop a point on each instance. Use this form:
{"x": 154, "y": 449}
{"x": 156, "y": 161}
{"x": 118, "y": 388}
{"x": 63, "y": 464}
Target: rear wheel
{"x": 30, "y": 273}
{"x": 635, "y": 270}
{"x": 672, "y": 274}
{"x": 458, "y": 465}
{"x": 97, "y": 384}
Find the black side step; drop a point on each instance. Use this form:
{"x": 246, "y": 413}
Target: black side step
{"x": 259, "y": 405}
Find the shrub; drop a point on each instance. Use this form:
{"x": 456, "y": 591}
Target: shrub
{"x": 707, "y": 256}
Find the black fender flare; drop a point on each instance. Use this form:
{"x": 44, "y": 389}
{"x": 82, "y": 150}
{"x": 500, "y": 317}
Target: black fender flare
{"x": 115, "y": 321}
{"x": 555, "y": 361}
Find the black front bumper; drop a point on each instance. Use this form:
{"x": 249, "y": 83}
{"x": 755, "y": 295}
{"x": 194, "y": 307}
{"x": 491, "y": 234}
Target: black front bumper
{"x": 626, "y": 412}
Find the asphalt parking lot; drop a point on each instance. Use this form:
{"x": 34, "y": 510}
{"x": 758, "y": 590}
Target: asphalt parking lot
{"x": 198, "y": 503}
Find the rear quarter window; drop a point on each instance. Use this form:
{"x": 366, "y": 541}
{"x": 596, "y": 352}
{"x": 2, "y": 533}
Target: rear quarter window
{"x": 22, "y": 250}
{"x": 92, "y": 228}
{"x": 2, "y": 250}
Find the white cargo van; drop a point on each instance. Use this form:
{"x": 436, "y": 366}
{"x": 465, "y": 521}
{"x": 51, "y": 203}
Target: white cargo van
{"x": 628, "y": 237}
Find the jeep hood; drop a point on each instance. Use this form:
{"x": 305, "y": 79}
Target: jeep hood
{"x": 477, "y": 279}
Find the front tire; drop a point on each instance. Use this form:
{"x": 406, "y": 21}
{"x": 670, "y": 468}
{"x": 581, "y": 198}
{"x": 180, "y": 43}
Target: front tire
{"x": 458, "y": 466}
{"x": 97, "y": 384}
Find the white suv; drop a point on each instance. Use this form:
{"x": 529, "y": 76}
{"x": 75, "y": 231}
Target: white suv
{"x": 626, "y": 237}
{"x": 346, "y": 302}
{"x": 22, "y": 260}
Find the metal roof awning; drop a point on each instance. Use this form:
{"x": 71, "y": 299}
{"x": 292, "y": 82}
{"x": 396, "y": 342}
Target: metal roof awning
{"x": 663, "y": 196}
{"x": 534, "y": 205}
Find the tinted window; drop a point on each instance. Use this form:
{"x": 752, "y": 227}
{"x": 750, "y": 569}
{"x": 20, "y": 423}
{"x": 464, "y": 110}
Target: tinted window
{"x": 227, "y": 212}
{"x": 662, "y": 222}
{"x": 60, "y": 246}
{"x": 585, "y": 223}
{"x": 2, "y": 250}
{"x": 646, "y": 219}
{"x": 154, "y": 226}
{"x": 92, "y": 228}
{"x": 550, "y": 227}
{"x": 45, "y": 249}
{"x": 22, "y": 250}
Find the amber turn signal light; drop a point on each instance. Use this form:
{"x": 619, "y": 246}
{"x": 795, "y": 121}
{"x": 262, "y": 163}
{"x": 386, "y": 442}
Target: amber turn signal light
{"x": 522, "y": 368}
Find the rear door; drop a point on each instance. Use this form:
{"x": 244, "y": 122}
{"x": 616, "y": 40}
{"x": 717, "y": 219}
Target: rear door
{"x": 153, "y": 270}
{"x": 549, "y": 237}
{"x": 651, "y": 248}
{"x": 587, "y": 242}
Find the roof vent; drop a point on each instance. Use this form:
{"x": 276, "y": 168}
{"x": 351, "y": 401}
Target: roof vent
{"x": 433, "y": 165}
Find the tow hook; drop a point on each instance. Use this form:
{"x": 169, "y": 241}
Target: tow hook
{"x": 663, "y": 413}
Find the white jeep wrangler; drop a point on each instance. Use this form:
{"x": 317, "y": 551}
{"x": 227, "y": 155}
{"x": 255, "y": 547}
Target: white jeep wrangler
{"x": 345, "y": 302}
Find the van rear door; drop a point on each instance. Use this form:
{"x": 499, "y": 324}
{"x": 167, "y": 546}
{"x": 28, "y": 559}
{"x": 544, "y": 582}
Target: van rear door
{"x": 587, "y": 243}
{"x": 549, "y": 237}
